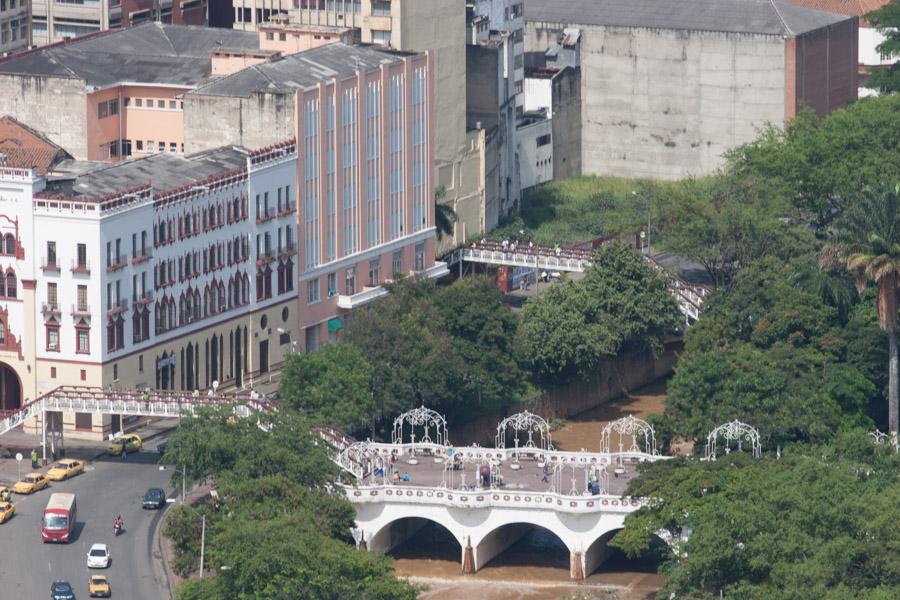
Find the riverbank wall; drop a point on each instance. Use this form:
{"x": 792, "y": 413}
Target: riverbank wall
{"x": 614, "y": 378}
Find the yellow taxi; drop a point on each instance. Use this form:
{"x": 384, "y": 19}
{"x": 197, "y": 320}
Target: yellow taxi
{"x": 7, "y": 510}
{"x": 98, "y": 586}
{"x": 67, "y": 467}
{"x": 130, "y": 442}
{"x": 31, "y": 483}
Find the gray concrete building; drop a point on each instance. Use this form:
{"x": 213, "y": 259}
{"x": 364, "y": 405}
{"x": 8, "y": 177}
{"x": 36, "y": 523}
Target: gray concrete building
{"x": 667, "y": 86}
{"x": 15, "y": 26}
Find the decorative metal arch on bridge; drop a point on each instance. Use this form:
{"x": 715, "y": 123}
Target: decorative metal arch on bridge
{"x": 733, "y": 433}
{"x": 526, "y": 422}
{"x": 641, "y": 433}
{"x": 432, "y": 422}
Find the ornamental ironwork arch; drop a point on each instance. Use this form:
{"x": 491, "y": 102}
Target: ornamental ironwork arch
{"x": 733, "y": 433}
{"x": 526, "y": 422}
{"x": 360, "y": 459}
{"x": 433, "y": 424}
{"x": 641, "y": 433}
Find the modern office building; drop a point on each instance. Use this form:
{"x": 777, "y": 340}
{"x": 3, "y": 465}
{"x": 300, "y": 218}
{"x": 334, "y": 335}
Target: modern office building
{"x": 15, "y": 26}
{"x": 55, "y": 20}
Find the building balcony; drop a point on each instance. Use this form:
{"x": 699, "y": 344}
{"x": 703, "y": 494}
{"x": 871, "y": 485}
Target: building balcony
{"x": 288, "y": 249}
{"x": 81, "y": 311}
{"x": 50, "y": 309}
{"x": 438, "y": 270}
{"x": 362, "y": 298}
{"x": 114, "y": 263}
{"x": 50, "y": 265}
{"x": 264, "y": 257}
{"x": 83, "y": 267}
{"x": 117, "y": 307}
{"x": 144, "y": 256}
{"x": 265, "y": 215}
{"x": 287, "y": 210}
{"x": 143, "y": 299}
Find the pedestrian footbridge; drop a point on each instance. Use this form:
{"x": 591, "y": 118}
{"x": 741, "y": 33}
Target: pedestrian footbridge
{"x": 490, "y": 498}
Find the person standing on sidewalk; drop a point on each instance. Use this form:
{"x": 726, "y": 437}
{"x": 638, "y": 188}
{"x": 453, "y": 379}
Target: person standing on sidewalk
{"x": 34, "y": 458}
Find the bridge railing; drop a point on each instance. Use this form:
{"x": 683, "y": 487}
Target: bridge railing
{"x": 151, "y": 403}
{"x": 525, "y": 259}
{"x": 492, "y": 499}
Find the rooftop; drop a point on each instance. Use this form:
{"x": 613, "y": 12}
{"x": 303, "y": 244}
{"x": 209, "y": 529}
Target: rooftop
{"x": 150, "y": 53}
{"x": 24, "y": 148}
{"x": 301, "y": 70}
{"x": 162, "y": 171}
{"x": 767, "y": 17}
{"x": 854, "y": 8}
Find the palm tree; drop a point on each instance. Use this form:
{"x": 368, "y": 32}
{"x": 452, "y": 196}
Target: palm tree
{"x": 870, "y": 233}
{"x": 444, "y": 216}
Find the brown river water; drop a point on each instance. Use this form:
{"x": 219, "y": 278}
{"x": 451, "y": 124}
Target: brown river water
{"x": 537, "y": 567}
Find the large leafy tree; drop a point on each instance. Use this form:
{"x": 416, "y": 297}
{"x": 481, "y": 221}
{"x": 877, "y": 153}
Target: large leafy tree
{"x": 771, "y": 354}
{"x": 818, "y": 523}
{"x": 871, "y": 236}
{"x": 273, "y": 496}
{"x": 887, "y": 20}
{"x": 332, "y": 386}
{"x": 819, "y": 166}
{"x": 620, "y": 305}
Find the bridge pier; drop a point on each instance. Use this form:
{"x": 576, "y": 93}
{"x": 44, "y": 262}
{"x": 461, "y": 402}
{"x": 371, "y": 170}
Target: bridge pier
{"x": 576, "y": 566}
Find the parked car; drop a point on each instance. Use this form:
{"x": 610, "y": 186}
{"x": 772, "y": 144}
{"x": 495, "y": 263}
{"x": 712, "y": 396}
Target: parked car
{"x": 98, "y": 557}
{"x": 67, "y": 467}
{"x": 98, "y": 586}
{"x": 154, "y": 498}
{"x": 32, "y": 482}
{"x": 130, "y": 442}
{"x": 7, "y": 510}
{"x": 61, "y": 590}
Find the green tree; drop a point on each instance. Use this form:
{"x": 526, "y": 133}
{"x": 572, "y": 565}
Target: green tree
{"x": 819, "y": 166}
{"x": 620, "y": 305}
{"x": 871, "y": 236}
{"x": 444, "y": 215}
{"x": 887, "y": 21}
{"x": 815, "y": 524}
{"x": 332, "y": 386}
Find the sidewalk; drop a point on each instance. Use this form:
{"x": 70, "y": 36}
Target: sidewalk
{"x": 19, "y": 441}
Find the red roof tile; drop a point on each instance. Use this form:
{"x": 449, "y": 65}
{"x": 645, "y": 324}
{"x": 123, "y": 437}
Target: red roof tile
{"x": 25, "y": 148}
{"x": 854, "y": 8}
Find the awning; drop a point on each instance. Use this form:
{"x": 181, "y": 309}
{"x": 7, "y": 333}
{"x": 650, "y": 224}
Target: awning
{"x": 335, "y": 324}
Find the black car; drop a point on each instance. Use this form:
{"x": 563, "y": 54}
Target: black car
{"x": 154, "y": 498}
{"x": 161, "y": 447}
{"x": 61, "y": 590}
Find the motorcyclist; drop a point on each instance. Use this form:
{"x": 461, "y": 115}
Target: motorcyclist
{"x": 118, "y": 523}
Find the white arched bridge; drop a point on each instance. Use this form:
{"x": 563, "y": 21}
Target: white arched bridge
{"x": 490, "y": 498}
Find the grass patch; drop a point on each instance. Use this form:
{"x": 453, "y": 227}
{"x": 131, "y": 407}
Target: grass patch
{"x": 582, "y": 208}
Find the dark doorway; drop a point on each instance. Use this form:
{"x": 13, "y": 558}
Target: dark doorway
{"x": 214, "y": 358}
{"x": 189, "y": 368}
{"x": 238, "y": 362}
{"x": 264, "y": 356}
{"x": 10, "y": 388}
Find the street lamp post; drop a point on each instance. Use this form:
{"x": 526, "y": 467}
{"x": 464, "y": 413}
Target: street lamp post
{"x": 202, "y": 544}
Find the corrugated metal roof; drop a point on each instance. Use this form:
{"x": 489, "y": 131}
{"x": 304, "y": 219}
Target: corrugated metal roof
{"x": 300, "y": 71}
{"x": 768, "y": 17}
{"x": 148, "y": 53}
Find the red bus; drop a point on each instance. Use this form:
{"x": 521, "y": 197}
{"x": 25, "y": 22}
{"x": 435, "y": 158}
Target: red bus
{"x": 59, "y": 518}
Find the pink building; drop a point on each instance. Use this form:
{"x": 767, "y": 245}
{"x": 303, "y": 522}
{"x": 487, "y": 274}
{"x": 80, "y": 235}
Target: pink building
{"x": 366, "y": 209}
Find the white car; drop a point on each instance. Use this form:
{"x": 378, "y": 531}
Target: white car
{"x": 98, "y": 557}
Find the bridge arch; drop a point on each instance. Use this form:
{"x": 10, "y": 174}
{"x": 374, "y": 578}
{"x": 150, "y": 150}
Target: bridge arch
{"x": 394, "y": 532}
{"x": 501, "y": 537}
{"x": 599, "y": 551}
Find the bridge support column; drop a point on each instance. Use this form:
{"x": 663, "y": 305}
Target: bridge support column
{"x": 576, "y": 566}
{"x": 468, "y": 558}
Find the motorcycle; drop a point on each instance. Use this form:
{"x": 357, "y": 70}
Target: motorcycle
{"x": 119, "y": 528}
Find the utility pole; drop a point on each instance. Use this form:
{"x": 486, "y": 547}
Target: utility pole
{"x": 202, "y": 544}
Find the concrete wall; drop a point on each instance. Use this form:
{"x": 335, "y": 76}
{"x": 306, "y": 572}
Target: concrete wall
{"x": 826, "y": 67}
{"x": 566, "y": 102}
{"x": 254, "y": 122}
{"x": 667, "y": 104}
{"x": 55, "y": 106}
{"x": 483, "y": 78}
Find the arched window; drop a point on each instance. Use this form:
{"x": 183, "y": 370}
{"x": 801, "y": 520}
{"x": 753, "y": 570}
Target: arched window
{"x": 10, "y": 285}
{"x": 10, "y": 244}
{"x": 221, "y": 297}
{"x": 2, "y": 285}
{"x": 197, "y": 304}
{"x": 2, "y": 332}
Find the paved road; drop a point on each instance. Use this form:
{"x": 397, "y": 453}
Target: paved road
{"x": 27, "y": 566}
